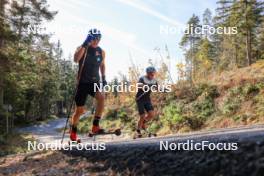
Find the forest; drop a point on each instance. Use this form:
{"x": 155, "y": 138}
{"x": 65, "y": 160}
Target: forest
{"x": 36, "y": 82}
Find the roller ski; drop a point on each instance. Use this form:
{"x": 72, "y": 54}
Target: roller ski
{"x": 137, "y": 134}
{"x": 152, "y": 135}
{"x": 98, "y": 132}
{"x": 145, "y": 134}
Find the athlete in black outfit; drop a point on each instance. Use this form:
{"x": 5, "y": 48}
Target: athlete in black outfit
{"x": 88, "y": 76}
{"x": 143, "y": 100}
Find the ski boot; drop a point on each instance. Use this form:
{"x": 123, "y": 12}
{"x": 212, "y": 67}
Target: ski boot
{"x": 73, "y": 135}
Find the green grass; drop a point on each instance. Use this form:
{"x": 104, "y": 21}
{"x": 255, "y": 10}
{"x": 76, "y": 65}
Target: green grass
{"x": 85, "y": 124}
{"x": 14, "y": 143}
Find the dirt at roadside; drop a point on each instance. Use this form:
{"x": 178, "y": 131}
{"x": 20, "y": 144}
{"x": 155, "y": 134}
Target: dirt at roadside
{"x": 49, "y": 163}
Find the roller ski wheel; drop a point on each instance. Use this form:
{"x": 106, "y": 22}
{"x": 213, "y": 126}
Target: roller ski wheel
{"x": 78, "y": 141}
{"x": 152, "y": 135}
{"x": 116, "y": 132}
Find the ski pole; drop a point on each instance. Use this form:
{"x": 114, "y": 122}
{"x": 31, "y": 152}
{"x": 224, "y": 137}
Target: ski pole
{"x": 72, "y": 100}
{"x": 138, "y": 98}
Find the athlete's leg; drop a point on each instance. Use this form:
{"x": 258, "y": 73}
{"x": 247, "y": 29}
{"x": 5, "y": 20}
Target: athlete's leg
{"x": 141, "y": 121}
{"x": 100, "y": 99}
{"x": 80, "y": 98}
{"x": 150, "y": 115}
{"x": 141, "y": 112}
{"x": 79, "y": 110}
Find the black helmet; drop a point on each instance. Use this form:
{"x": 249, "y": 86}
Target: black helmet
{"x": 95, "y": 33}
{"x": 151, "y": 69}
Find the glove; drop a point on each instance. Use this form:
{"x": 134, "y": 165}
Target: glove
{"x": 88, "y": 40}
{"x": 104, "y": 81}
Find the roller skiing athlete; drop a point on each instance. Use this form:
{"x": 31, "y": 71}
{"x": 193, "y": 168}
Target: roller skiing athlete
{"x": 144, "y": 105}
{"x": 91, "y": 59}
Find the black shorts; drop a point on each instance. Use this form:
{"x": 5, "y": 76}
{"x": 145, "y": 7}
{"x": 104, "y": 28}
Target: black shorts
{"x": 85, "y": 89}
{"x": 144, "y": 106}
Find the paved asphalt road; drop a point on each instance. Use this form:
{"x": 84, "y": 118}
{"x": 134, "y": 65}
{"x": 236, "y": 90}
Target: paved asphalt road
{"x": 46, "y": 132}
{"x": 145, "y": 157}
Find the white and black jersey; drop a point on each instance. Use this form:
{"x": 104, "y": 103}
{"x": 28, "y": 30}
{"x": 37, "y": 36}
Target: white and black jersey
{"x": 145, "y": 82}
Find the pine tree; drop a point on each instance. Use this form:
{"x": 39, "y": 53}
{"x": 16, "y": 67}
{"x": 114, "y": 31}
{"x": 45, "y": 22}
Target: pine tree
{"x": 207, "y": 20}
{"x": 27, "y": 16}
{"x": 29, "y": 79}
{"x": 245, "y": 15}
{"x": 2, "y": 36}
{"x": 252, "y": 15}
{"x": 226, "y": 45}
{"x": 260, "y": 46}
{"x": 190, "y": 42}
{"x": 205, "y": 57}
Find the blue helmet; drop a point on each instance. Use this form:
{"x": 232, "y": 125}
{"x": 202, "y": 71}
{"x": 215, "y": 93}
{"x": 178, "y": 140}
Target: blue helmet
{"x": 151, "y": 69}
{"x": 95, "y": 33}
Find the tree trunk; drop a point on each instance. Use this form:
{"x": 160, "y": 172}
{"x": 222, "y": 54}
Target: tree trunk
{"x": 248, "y": 45}
{"x": 192, "y": 64}
{"x": 20, "y": 26}
{"x": 2, "y": 7}
{"x": 1, "y": 92}
{"x": 2, "y": 15}
{"x": 248, "y": 37}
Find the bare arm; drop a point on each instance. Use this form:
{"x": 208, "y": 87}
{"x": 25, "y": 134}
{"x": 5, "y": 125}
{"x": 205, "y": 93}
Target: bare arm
{"x": 102, "y": 66}
{"x": 79, "y": 54}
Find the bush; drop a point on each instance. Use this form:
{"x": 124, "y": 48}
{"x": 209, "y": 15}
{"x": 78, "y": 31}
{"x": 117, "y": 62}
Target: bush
{"x": 250, "y": 89}
{"x": 204, "y": 108}
{"x": 200, "y": 89}
{"x": 172, "y": 114}
{"x": 208, "y": 90}
{"x": 235, "y": 91}
{"x": 241, "y": 117}
{"x": 84, "y": 125}
{"x": 260, "y": 85}
{"x": 180, "y": 114}
{"x": 111, "y": 114}
{"x": 194, "y": 122}
{"x": 153, "y": 128}
{"x": 231, "y": 105}
{"x": 259, "y": 101}
{"x": 123, "y": 116}
{"x": 114, "y": 114}
{"x": 246, "y": 90}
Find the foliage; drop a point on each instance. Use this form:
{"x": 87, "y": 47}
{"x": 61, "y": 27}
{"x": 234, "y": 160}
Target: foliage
{"x": 172, "y": 114}
{"x": 121, "y": 113}
{"x": 14, "y": 143}
{"x": 231, "y": 105}
{"x": 84, "y": 125}
{"x": 209, "y": 53}
{"x": 37, "y": 82}
{"x": 251, "y": 89}
{"x": 154, "y": 127}
{"x": 238, "y": 94}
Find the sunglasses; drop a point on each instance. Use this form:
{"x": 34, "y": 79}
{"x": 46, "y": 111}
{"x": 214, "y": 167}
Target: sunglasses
{"x": 152, "y": 73}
